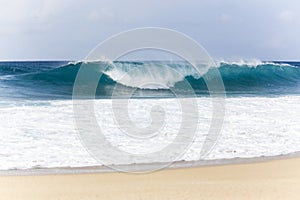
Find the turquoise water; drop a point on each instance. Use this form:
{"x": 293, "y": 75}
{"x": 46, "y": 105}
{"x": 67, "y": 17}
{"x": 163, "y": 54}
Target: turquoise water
{"x": 54, "y": 80}
{"x": 37, "y": 125}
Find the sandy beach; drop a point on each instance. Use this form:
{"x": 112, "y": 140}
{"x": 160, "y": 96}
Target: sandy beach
{"x": 274, "y": 179}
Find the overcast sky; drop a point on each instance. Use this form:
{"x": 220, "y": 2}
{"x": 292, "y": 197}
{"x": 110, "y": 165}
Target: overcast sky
{"x": 228, "y": 29}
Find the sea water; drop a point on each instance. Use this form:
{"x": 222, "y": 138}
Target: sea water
{"x": 37, "y": 126}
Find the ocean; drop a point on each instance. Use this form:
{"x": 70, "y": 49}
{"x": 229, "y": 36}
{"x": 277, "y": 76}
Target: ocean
{"x": 37, "y": 126}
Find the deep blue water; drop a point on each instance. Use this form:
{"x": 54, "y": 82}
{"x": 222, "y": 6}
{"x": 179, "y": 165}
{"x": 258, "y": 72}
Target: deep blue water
{"x": 55, "y": 79}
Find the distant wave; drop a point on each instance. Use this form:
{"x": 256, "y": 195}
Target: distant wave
{"x": 238, "y": 77}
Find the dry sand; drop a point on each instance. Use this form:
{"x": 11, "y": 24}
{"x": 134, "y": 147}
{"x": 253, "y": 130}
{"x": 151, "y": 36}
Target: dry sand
{"x": 278, "y": 179}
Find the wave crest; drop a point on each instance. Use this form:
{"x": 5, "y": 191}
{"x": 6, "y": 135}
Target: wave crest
{"x": 238, "y": 77}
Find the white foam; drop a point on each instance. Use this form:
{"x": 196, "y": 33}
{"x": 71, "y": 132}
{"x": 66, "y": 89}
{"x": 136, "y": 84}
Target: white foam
{"x": 249, "y": 63}
{"x": 42, "y": 133}
{"x": 150, "y": 75}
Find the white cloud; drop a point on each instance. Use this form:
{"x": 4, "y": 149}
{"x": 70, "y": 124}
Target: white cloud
{"x": 286, "y": 16}
{"x": 102, "y": 14}
{"x": 70, "y": 28}
{"x": 47, "y": 9}
{"x": 12, "y": 11}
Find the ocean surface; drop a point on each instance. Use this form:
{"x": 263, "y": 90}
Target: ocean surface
{"x": 37, "y": 126}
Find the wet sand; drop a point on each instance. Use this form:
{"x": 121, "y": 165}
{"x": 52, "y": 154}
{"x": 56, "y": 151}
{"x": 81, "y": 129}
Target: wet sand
{"x": 272, "y": 179}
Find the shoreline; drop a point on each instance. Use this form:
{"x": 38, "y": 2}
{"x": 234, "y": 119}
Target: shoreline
{"x": 144, "y": 167}
{"x": 272, "y": 179}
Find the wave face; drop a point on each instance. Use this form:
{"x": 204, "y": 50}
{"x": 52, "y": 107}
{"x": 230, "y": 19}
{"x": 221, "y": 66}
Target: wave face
{"x": 149, "y": 78}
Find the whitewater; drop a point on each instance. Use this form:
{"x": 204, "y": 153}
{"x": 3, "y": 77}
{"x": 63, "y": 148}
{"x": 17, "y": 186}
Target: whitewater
{"x": 37, "y": 124}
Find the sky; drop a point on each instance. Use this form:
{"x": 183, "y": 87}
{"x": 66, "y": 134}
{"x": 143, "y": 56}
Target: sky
{"x": 227, "y": 29}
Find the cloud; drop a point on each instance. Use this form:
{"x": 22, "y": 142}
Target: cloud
{"x": 276, "y": 42}
{"x": 69, "y": 29}
{"x": 102, "y": 14}
{"x": 47, "y": 9}
{"x": 12, "y": 11}
{"x": 225, "y": 17}
{"x": 286, "y": 16}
